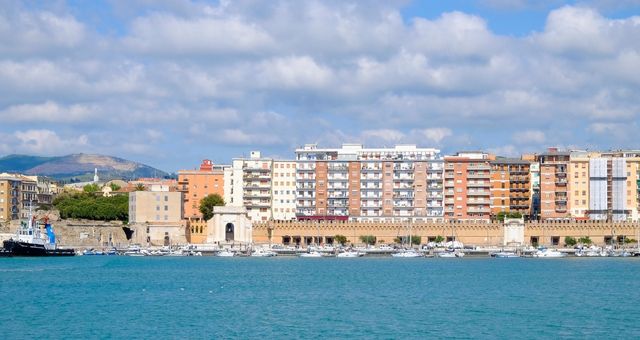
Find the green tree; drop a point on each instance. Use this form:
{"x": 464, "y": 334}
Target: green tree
{"x": 114, "y": 187}
{"x": 340, "y": 239}
{"x": 416, "y": 240}
{"x": 91, "y": 188}
{"x": 439, "y": 239}
{"x": 629, "y": 240}
{"x": 368, "y": 239}
{"x": 585, "y": 240}
{"x": 207, "y": 204}
{"x": 92, "y": 207}
{"x": 507, "y": 214}
{"x": 570, "y": 241}
{"x": 140, "y": 187}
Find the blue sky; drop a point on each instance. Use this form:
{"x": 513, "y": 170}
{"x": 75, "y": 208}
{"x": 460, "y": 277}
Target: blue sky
{"x": 170, "y": 82}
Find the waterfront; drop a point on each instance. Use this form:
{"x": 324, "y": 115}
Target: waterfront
{"x": 208, "y": 297}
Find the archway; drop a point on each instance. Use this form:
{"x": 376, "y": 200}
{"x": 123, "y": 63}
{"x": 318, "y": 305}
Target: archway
{"x": 229, "y": 232}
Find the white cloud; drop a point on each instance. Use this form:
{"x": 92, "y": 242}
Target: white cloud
{"x": 436, "y": 135}
{"x": 385, "y": 135}
{"x": 529, "y": 137}
{"x": 47, "y": 112}
{"x": 47, "y": 142}
{"x": 167, "y": 34}
{"x": 24, "y": 32}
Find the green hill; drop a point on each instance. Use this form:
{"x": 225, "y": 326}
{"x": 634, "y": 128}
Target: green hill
{"x": 78, "y": 167}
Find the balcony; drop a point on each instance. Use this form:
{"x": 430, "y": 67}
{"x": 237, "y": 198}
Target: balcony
{"x": 405, "y": 188}
{"x": 248, "y": 186}
{"x": 257, "y": 194}
{"x": 371, "y": 169}
{"x": 434, "y": 187}
{"x": 479, "y": 193}
{"x": 368, "y": 188}
{"x": 247, "y": 168}
{"x": 403, "y": 178}
{"x": 478, "y": 210}
{"x": 254, "y": 204}
{"x": 370, "y": 179}
{"x": 478, "y": 184}
{"x": 486, "y": 176}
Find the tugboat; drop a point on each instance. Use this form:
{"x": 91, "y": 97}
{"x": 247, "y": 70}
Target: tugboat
{"x": 30, "y": 241}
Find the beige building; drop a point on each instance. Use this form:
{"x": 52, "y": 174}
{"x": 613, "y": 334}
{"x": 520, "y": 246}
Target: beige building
{"x": 578, "y": 181}
{"x": 284, "y": 190}
{"x": 155, "y": 206}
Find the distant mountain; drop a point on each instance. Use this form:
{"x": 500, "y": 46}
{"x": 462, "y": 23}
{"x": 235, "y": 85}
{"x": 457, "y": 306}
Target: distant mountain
{"x": 78, "y": 167}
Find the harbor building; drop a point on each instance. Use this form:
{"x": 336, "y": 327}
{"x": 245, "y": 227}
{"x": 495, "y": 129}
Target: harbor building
{"x": 197, "y": 184}
{"x": 369, "y": 184}
{"x": 155, "y": 206}
{"x": 157, "y": 217}
{"x": 264, "y": 186}
{"x": 554, "y": 200}
{"x": 511, "y": 186}
{"x": 467, "y": 186}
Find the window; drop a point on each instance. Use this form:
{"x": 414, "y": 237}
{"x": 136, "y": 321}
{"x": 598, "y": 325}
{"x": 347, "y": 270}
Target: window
{"x": 166, "y": 198}
{"x": 166, "y": 208}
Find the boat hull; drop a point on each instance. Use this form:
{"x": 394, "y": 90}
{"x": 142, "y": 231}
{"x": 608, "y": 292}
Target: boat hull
{"x": 17, "y": 248}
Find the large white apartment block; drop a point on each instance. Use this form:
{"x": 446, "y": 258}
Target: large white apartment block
{"x": 264, "y": 186}
{"x": 369, "y": 184}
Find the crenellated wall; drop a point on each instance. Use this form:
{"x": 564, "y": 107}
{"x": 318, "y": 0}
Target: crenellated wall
{"x": 480, "y": 234}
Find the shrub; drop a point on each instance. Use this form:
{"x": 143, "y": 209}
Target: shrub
{"x": 570, "y": 241}
{"x": 368, "y": 239}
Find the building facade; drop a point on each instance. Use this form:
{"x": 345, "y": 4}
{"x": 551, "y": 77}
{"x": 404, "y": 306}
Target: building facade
{"x": 197, "y": 184}
{"x": 554, "y": 194}
{"x": 467, "y": 186}
{"x": 368, "y": 184}
{"x": 264, "y": 186}
{"x": 511, "y": 187}
{"x": 155, "y": 207}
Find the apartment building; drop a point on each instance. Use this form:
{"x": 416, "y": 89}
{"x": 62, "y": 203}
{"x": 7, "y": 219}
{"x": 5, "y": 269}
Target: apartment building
{"x": 467, "y": 186}
{"x": 9, "y": 199}
{"x": 511, "y": 186}
{"x": 284, "y": 190}
{"x": 264, "y": 186}
{"x": 369, "y": 184}
{"x": 197, "y": 184}
{"x": 554, "y": 194}
{"x": 155, "y": 207}
{"x": 579, "y": 183}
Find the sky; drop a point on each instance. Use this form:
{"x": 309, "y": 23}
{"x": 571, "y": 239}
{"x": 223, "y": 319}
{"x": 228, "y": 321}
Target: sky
{"x": 171, "y": 82}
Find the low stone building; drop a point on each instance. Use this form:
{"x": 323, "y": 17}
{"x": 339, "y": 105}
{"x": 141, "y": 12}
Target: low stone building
{"x": 229, "y": 225}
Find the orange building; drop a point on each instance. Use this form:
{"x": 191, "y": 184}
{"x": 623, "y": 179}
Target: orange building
{"x": 196, "y": 184}
{"x": 554, "y": 202}
{"x": 510, "y": 186}
{"x": 467, "y": 186}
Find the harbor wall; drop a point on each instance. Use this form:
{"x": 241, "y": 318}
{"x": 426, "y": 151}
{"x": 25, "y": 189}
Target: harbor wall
{"x": 469, "y": 233}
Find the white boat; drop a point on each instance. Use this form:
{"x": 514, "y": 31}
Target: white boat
{"x": 225, "y": 253}
{"x": 548, "y": 253}
{"x": 311, "y": 254}
{"x": 449, "y": 254}
{"x": 263, "y": 253}
{"x": 407, "y": 253}
{"x": 505, "y": 254}
{"x": 350, "y": 254}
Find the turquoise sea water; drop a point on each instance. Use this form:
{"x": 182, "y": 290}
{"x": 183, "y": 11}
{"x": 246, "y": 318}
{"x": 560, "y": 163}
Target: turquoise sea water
{"x": 208, "y": 297}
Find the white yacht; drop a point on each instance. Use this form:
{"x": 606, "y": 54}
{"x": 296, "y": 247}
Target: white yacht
{"x": 225, "y": 253}
{"x": 548, "y": 253}
{"x": 350, "y": 253}
{"x": 406, "y": 253}
{"x": 505, "y": 254}
{"x": 311, "y": 254}
{"x": 449, "y": 254}
{"x": 261, "y": 252}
